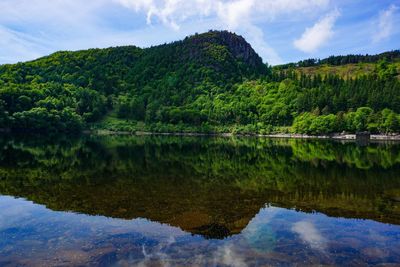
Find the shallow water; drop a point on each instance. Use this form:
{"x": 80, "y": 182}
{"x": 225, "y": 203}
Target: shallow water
{"x": 183, "y": 201}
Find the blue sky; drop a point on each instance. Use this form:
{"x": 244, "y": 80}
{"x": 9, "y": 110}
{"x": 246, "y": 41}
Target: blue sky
{"x": 280, "y": 31}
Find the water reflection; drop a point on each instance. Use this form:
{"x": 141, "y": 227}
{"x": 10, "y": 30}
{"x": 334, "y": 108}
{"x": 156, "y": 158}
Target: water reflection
{"x": 40, "y": 237}
{"x": 188, "y": 201}
{"x": 309, "y": 234}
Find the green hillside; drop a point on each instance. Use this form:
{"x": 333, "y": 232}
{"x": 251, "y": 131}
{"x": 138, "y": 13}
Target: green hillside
{"x": 210, "y": 82}
{"x": 220, "y": 181}
{"x": 347, "y": 67}
{"x": 348, "y": 71}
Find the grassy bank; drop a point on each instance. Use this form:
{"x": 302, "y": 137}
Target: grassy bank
{"x": 113, "y": 125}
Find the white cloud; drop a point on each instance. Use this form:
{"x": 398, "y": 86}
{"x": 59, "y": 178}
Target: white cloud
{"x": 386, "y": 23}
{"x": 39, "y": 27}
{"x": 231, "y": 12}
{"x": 255, "y": 37}
{"x": 310, "y": 234}
{"x": 240, "y": 16}
{"x": 316, "y": 36}
{"x": 170, "y": 12}
{"x": 230, "y": 257}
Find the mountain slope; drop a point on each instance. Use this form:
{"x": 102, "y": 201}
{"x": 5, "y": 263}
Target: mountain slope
{"x": 212, "y": 55}
{"x": 210, "y": 82}
{"x": 83, "y": 85}
{"x": 348, "y": 67}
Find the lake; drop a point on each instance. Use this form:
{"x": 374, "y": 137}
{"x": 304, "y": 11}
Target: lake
{"x": 202, "y": 201}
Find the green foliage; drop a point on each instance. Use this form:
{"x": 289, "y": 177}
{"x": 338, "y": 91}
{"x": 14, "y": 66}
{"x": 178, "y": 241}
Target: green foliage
{"x": 390, "y": 56}
{"x": 149, "y": 171}
{"x": 364, "y": 119}
{"x": 308, "y": 123}
{"x": 390, "y": 121}
{"x": 209, "y": 82}
{"x": 158, "y": 84}
{"x": 303, "y": 122}
{"x": 90, "y": 104}
{"x": 43, "y": 120}
{"x": 3, "y": 115}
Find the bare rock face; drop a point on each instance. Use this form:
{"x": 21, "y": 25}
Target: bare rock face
{"x": 236, "y": 46}
{"x": 240, "y": 48}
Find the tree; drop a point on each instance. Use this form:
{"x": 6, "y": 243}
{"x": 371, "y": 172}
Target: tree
{"x": 324, "y": 124}
{"x": 303, "y": 122}
{"x": 4, "y": 119}
{"x": 390, "y": 121}
{"x": 361, "y": 118}
{"x": 91, "y": 104}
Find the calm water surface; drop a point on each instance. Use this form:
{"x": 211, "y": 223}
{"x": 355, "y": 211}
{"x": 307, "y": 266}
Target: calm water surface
{"x": 121, "y": 201}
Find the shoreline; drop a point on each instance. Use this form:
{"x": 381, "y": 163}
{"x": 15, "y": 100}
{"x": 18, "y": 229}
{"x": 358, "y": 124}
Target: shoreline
{"x": 349, "y": 137}
{"x": 336, "y": 136}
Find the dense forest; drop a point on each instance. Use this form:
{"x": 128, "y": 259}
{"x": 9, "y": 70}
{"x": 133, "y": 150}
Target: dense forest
{"x": 227, "y": 179}
{"x": 210, "y": 82}
{"x": 343, "y": 60}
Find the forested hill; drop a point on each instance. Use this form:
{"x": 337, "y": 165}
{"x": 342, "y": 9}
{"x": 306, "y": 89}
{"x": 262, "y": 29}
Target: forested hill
{"x": 215, "y": 56}
{"x": 349, "y": 66}
{"x": 391, "y": 56}
{"x": 210, "y": 82}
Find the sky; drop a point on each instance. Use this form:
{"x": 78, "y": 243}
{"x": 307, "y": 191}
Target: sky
{"x": 280, "y": 31}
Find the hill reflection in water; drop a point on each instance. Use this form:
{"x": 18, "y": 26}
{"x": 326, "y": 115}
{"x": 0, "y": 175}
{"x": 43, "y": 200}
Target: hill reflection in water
{"x": 239, "y": 192}
{"x": 33, "y": 235}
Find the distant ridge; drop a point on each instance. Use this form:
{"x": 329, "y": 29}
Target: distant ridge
{"x": 390, "y": 56}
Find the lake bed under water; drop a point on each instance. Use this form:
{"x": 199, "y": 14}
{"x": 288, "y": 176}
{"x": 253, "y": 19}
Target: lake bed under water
{"x": 123, "y": 201}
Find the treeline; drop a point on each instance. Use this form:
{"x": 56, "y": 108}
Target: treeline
{"x": 312, "y": 105}
{"x": 212, "y": 82}
{"x": 332, "y": 93}
{"x": 391, "y": 56}
{"x": 363, "y": 119}
{"x": 75, "y": 88}
{"x": 49, "y": 107}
